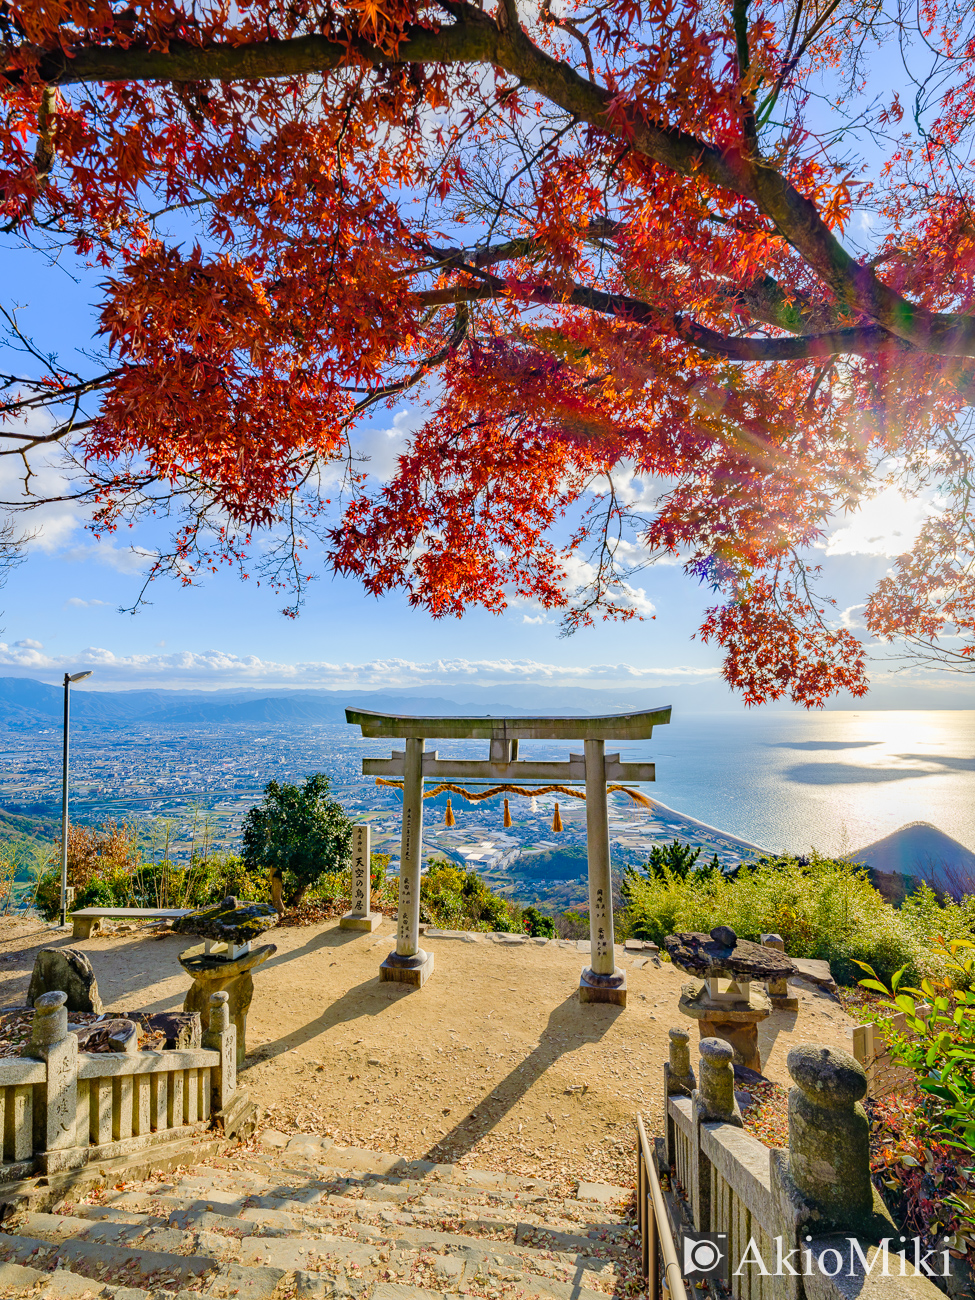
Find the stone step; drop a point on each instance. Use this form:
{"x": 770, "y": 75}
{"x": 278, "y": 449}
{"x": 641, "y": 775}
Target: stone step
{"x": 370, "y": 1222}
{"x": 304, "y": 1218}
{"x": 428, "y": 1209}
{"x": 95, "y": 1260}
{"x": 114, "y": 1215}
{"x": 95, "y": 1269}
{"x": 191, "y": 1233}
{"x": 342, "y": 1159}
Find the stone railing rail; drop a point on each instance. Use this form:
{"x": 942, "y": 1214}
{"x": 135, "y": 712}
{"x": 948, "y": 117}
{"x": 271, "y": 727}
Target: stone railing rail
{"x": 62, "y": 1109}
{"x": 804, "y": 1223}
{"x": 871, "y": 1049}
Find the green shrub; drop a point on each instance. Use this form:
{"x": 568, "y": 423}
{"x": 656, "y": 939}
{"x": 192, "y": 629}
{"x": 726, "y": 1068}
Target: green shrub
{"x": 97, "y": 893}
{"x": 47, "y": 899}
{"x": 454, "y": 899}
{"x": 940, "y": 1051}
{"x": 823, "y": 909}
{"x": 378, "y": 867}
{"x": 537, "y": 924}
{"x": 572, "y": 924}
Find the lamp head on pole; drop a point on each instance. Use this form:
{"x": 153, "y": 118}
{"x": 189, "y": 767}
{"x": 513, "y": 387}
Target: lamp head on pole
{"x": 78, "y": 677}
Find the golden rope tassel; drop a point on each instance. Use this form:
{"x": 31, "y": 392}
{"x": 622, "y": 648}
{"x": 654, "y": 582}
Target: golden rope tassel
{"x": 507, "y": 814}
{"x": 448, "y": 818}
{"x": 556, "y": 820}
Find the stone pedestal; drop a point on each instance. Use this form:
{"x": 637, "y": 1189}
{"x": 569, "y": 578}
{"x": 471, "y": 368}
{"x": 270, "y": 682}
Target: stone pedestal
{"x": 415, "y": 969}
{"x": 778, "y": 989}
{"x": 212, "y": 973}
{"x": 360, "y": 916}
{"x": 353, "y": 921}
{"x": 734, "y": 1022}
{"x": 594, "y": 987}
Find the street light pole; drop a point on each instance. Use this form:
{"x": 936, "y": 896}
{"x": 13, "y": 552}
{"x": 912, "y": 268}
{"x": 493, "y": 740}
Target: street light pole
{"x": 68, "y": 679}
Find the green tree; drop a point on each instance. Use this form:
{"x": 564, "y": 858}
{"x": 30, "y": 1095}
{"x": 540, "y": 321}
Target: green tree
{"x": 300, "y": 832}
{"x": 680, "y": 858}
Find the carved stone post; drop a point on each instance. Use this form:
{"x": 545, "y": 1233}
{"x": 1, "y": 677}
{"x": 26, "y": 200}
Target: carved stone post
{"x": 715, "y": 1096}
{"x": 829, "y": 1133}
{"x": 679, "y": 1081}
{"x": 360, "y": 916}
{"x": 221, "y": 1036}
{"x": 712, "y": 1100}
{"x": 56, "y": 1100}
{"x": 778, "y": 990}
{"x": 602, "y": 980}
{"x": 409, "y": 964}
{"x": 677, "y": 1071}
{"x": 821, "y": 1185}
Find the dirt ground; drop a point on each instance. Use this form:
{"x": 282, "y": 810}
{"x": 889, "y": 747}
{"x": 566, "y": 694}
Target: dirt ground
{"x": 493, "y": 1063}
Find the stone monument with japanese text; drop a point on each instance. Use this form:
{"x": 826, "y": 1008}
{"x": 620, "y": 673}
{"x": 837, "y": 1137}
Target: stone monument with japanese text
{"x": 360, "y": 915}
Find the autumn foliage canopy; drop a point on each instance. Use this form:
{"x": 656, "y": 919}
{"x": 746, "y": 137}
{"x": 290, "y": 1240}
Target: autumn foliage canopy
{"x": 699, "y": 245}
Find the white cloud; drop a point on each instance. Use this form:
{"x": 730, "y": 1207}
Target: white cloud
{"x": 527, "y": 618}
{"x": 77, "y": 603}
{"x": 579, "y": 573}
{"x": 376, "y": 450}
{"x": 27, "y": 644}
{"x": 217, "y": 668}
{"x": 124, "y": 559}
{"x": 885, "y": 524}
{"x": 51, "y": 524}
{"x": 849, "y": 619}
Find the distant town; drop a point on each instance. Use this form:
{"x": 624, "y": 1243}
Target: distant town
{"x": 190, "y": 788}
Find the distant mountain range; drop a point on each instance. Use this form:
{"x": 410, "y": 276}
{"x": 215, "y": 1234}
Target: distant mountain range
{"x": 30, "y": 703}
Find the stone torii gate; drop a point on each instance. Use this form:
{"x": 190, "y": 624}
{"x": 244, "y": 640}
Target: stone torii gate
{"x": 602, "y": 980}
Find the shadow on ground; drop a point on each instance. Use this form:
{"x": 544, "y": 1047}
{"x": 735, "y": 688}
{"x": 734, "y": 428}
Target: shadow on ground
{"x": 590, "y": 1021}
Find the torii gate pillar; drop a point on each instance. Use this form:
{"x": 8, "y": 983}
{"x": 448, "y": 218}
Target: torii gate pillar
{"x": 408, "y": 963}
{"x": 602, "y": 980}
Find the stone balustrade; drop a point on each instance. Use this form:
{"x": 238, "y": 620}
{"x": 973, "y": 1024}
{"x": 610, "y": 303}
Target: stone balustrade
{"x": 803, "y": 1223}
{"x": 870, "y": 1048}
{"x": 61, "y": 1109}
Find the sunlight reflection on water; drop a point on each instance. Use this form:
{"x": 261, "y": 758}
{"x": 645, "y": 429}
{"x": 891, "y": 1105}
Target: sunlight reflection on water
{"x": 835, "y": 780}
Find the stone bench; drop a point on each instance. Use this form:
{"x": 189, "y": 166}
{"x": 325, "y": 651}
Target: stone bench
{"x": 86, "y": 918}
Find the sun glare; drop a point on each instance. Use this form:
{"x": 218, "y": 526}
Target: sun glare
{"x": 887, "y": 524}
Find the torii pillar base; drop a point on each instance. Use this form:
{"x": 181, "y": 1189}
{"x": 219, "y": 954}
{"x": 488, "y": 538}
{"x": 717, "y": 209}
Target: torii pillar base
{"x": 415, "y": 970}
{"x": 603, "y": 988}
{"x": 361, "y": 921}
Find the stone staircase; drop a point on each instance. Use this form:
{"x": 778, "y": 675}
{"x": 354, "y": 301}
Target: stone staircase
{"x": 303, "y": 1219}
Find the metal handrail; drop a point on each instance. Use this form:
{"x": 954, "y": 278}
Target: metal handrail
{"x": 655, "y": 1224}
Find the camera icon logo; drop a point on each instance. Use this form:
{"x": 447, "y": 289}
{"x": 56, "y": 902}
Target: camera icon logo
{"x": 705, "y": 1254}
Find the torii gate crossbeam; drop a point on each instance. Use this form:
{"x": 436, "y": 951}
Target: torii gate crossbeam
{"x": 602, "y": 980}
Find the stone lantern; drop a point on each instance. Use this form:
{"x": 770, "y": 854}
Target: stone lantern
{"x": 725, "y": 1004}
{"x": 225, "y": 959}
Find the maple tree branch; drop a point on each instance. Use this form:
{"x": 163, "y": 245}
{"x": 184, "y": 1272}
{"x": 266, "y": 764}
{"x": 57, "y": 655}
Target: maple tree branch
{"x": 475, "y": 38}
{"x": 862, "y": 340}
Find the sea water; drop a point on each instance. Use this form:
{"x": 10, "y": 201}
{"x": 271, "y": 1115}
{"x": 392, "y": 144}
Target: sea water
{"x": 834, "y": 780}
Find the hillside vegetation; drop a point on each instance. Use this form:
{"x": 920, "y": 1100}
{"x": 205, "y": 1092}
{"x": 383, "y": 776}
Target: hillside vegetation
{"x": 18, "y": 828}
{"x": 821, "y": 907}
